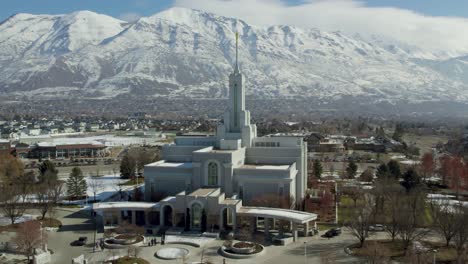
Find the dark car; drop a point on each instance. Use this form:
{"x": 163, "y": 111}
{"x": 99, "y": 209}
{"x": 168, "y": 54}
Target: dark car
{"x": 332, "y": 232}
{"x": 80, "y": 242}
{"x": 328, "y": 234}
{"x": 337, "y": 231}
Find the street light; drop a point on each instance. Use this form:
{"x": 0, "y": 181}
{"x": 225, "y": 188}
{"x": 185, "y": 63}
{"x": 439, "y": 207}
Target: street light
{"x": 435, "y": 253}
{"x": 305, "y": 252}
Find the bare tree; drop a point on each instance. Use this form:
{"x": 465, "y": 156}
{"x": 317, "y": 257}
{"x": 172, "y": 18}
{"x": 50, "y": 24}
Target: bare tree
{"x": 42, "y": 195}
{"x": 376, "y": 253}
{"x": 10, "y": 200}
{"x": 95, "y": 185}
{"x": 131, "y": 229}
{"x": 410, "y": 218}
{"x": 48, "y": 195}
{"x": 461, "y": 237}
{"x": 360, "y": 221}
{"x": 28, "y": 237}
{"x": 444, "y": 220}
{"x": 394, "y": 196}
{"x": 354, "y": 192}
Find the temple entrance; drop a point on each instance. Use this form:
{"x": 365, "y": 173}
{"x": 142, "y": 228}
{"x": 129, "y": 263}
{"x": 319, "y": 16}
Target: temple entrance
{"x": 140, "y": 218}
{"x": 153, "y": 218}
{"x": 167, "y": 215}
{"x": 227, "y": 215}
{"x": 196, "y": 217}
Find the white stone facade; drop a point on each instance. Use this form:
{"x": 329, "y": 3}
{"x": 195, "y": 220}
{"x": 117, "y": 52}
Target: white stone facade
{"x": 235, "y": 160}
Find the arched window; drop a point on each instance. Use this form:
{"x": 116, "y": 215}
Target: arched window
{"x": 196, "y": 216}
{"x": 212, "y": 174}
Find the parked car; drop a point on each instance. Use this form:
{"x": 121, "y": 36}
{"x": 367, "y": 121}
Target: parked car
{"x": 328, "y": 234}
{"x": 332, "y": 232}
{"x": 376, "y": 227}
{"x": 80, "y": 242}
{"x": 337, "y": 231}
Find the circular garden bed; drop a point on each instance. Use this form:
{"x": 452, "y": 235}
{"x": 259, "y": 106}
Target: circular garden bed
{"x": 121, "y": 241}
{"x": 241, "y": 249}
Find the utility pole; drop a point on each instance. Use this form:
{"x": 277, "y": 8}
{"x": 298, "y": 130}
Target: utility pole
{"x": 305, "y": 252}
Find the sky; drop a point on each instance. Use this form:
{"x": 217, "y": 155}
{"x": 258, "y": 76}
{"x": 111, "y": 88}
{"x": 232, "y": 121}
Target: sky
{"x": 131, "y": 9}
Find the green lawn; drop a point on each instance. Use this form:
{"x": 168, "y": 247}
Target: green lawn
{"x": 346, "y": 209}
{"x": 394, "y": 250}
{"x": 325, "y": 226}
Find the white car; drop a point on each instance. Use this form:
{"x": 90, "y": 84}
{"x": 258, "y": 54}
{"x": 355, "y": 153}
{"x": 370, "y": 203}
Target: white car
{"x": 376, "y": 227}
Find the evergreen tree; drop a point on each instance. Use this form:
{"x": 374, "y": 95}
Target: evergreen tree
{"x": 394, "y": 168}
{"x": 410, "y": 179}
{"x": 76, "y": 183}
{"x": 380, "y": 132}
{"x": 47, "y": 172}
{"x": 351, "y": 170}
{"x": 317, "y": 168}
{"x": 127, "y": 166}
{"x": 398, "y": 133}
{"x": 382, "y": 171}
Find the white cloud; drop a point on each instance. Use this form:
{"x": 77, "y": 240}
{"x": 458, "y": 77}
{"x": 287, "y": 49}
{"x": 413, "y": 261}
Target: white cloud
{"x": 130, "y": 16}
{"x": 447, "y": 35}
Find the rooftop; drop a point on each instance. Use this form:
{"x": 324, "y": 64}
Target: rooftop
{"x": 277, "y": 213}
{"x": 124, "y": 205}
{"x": 182, "y": 165}
{"x": 203, "y": 192}
{"x": 265, "y": 167}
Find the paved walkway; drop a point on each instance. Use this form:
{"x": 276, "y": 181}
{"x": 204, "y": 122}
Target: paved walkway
{"x": 76, "y": 224}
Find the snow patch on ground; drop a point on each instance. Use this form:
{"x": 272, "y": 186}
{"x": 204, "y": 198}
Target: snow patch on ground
{"x": 200, "y": 241}
{"x": 4, "y": 221}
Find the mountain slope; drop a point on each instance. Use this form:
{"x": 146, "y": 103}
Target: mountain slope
{"x": 188, "y": 53}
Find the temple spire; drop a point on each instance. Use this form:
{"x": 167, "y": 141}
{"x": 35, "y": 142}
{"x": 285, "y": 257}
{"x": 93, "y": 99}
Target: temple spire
{"x": 236, "y": 67}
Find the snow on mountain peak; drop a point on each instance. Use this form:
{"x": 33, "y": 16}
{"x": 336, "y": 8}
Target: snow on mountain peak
{"x": 185, "y": 52}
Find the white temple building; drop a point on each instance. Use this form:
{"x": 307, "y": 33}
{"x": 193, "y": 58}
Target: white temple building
{"x": 235, "y": 159}
{"x": 209, "y": 182}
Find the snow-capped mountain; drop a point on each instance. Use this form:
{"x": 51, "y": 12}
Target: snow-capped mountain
{"x": 187, "y": 53}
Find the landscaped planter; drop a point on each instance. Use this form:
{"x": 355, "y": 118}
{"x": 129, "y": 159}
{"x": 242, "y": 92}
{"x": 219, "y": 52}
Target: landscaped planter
{"x": 243, "y": 247}
{"x": 122, "y": 241}
{"x": 125, "y": 239}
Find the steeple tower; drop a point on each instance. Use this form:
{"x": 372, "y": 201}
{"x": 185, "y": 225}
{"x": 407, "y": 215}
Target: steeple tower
{"x": 236, "y": 119}
{"x": 236, "y": 67}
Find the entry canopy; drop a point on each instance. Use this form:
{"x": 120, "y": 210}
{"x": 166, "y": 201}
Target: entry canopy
{"x": 276, "y": 213}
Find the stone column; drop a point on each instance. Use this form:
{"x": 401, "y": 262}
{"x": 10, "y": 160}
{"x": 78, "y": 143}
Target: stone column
{"x": 294, "y": 231}
{"x": 306, "y": 229}
{"x": 134, "y": 217}
{"x": 147, "y": 218}
{"x": 253, "y": 224}
{"x": 234, "y": 220}
{"x": 119, "y": 217}
{"x": 221, "y": 216}
{"x": 161, "y": 217}
{"x": 267, "y": 227}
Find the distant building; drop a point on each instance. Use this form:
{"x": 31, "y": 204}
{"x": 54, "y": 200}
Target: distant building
{"x": 5, "y": 147}
{"x": 365, "y": 144}
{"x": 47, "y": 150}
{"x": 331, "y": 145}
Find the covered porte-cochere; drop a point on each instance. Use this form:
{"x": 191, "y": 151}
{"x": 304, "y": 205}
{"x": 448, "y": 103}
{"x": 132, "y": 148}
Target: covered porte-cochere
{"x": 206, "y": 210}
{"x": 281, "y": 220}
